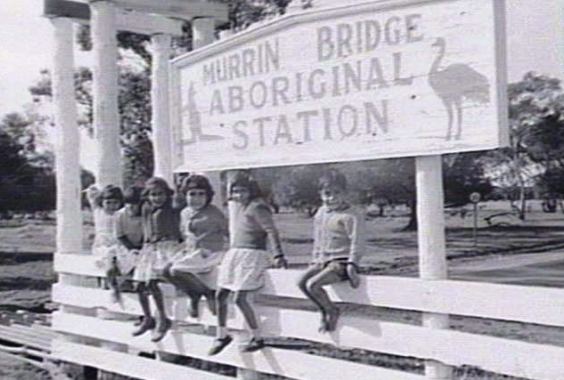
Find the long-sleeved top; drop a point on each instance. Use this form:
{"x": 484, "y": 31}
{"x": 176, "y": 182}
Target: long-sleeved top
{"x": 161, "y": 223}
{"x": 204, "y": 228}
{"x": 339, "y": 234}
{"x": 253, "y": 223}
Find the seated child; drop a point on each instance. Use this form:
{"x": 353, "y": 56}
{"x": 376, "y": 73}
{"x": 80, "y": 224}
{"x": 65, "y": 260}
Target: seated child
{"x": 338, "y": 244}
{"x": 112, "y": 257}
{"x": 204, "y": 230}
{"x": 129, "y": 232}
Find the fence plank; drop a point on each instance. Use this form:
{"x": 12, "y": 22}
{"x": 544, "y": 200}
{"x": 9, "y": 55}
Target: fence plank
{"x": 278, "y": 361}
{"x": 127, "y": 365}
{"x": 505, "y": 356}
{"x": 506, "y": 302}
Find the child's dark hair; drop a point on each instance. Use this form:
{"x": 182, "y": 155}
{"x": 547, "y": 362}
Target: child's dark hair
{"x": 110, "y": 192}
{"x": 244, "y": 180}
{"x": 160, "y": 183}
{"x": 132, "y": 195}
{"x": 333, "y": 179}
{"x": 197, "y": 181}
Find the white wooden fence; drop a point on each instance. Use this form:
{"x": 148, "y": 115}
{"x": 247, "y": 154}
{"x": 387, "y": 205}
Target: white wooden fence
{"x": 90, "y": 339}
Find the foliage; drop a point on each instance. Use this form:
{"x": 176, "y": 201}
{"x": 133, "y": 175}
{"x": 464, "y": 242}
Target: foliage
{"x": 536, "y": 141}
{"x": 27, "y": 181}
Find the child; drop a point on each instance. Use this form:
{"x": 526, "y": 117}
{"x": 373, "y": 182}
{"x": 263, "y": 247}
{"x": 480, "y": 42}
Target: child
{"x": 338, "y": 244}
{"x": 204, "y": 229}
{"x": 243, "y": 266}
{"x": 162, "y": 237}
{"x": 129, "y": 229}
{"x": 106, "y": 246}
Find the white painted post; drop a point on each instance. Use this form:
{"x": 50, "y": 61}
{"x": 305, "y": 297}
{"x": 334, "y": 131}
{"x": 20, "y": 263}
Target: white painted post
{"x": 203, "y": 33}
{"x": 160, "y": 106}
{"x": 105, "y": 91}
{"x": 67, "y": 166}
{"x": 431, "y": 238}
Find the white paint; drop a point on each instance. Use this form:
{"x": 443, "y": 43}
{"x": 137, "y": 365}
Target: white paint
{"x": 482, "y": 300}
{"x": 506, "y": 356}
{"x": 127, "y": 365}
{"x": 288, "y": 363}
{"x": 69, "y": 216}
{"x": 105, "y": 92}
{"x": 312, "y": 87}
{"x": 183, "y": 9}
{"x": 431, "y": 242}
{"x": 160, "y": 106}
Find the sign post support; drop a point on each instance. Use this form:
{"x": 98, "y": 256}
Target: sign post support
{"x": 431, "y": 238}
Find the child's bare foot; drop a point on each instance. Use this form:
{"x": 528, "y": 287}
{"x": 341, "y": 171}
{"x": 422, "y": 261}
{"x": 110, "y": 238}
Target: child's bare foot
{"x": 193, "y": 307}
{"x": 332, "y": 319}
{"x": 147, "y": 324}
{"x": 162, "y": 327}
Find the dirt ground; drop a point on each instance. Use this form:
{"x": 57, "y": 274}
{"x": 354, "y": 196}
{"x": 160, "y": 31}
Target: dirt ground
{"x": 529, "y": 253}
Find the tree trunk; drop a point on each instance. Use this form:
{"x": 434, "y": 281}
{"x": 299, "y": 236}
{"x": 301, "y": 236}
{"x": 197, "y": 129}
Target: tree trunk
{"x": 412, "y": 224}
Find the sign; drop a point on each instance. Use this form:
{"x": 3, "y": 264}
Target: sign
{"x": 374, "y": 80}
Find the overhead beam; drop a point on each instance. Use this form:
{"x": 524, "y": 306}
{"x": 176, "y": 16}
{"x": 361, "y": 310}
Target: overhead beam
{"x": 183, "y": 9}
{"x": 126, "y": 20}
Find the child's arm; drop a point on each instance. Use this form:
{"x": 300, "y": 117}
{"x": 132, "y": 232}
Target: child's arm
{"x": 317, "y": 238}
{"x": 263, "y": 216}
{"x": 356, "y": 229}
{"x": 92, "y": 196}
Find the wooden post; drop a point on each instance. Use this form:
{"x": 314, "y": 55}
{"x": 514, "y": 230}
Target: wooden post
{"x": 203, "y": 33}
{"x": 431, "y": 238}
{"x": 160, "y": 106}
{"x": 105, "y": 91}
{"x": 67, "y": 145}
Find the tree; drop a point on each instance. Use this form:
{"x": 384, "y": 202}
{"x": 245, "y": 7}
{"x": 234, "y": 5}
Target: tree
{"x": 536, "y": 136}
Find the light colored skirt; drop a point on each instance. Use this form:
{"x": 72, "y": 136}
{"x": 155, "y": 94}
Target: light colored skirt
{"x": 126, "y": 259}
{"x": 153, "y": 258}
{"x": 197, "y": 261}
{"x": 243, "y": 269}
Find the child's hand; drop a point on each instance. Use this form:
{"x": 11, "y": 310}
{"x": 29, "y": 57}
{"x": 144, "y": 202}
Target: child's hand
{"x": 280, "y": 262}
{"x": 352, "y": 274}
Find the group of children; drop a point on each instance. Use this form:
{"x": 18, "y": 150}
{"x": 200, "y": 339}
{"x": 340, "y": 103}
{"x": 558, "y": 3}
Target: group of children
{"x": 162, "y": 236}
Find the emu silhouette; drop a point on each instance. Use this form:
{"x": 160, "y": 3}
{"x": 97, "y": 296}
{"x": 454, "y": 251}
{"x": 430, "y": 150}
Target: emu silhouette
{"x": 455, "y": 83}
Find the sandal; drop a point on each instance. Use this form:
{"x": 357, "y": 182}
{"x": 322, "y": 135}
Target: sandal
{"x": 161, "y": 330}
{"x": 147, "y": 324}
{"x": 219, "y": 344}
{"x": 254, "y": 344}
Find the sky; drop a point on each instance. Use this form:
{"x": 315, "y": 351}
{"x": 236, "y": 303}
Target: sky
{"x": 535, "y": 42}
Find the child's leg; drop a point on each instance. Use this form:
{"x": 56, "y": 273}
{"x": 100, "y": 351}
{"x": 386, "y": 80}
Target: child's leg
{"x": 248, "y": 312}
{"x": 256, "y": 342}
{"x": 163, "y": 323}
{"x": 222, "y": 338}
{"x": 315, "y": 287}
{"x": 192, "y": 286}
{"x": 310, "y": 272}
{"x": 148, "y": 322}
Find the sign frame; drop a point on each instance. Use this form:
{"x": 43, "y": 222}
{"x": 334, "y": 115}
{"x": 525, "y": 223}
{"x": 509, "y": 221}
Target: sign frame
{"x": 285, "y": 22}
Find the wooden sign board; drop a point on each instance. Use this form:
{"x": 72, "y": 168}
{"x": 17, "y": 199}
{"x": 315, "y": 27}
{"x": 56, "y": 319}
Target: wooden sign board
{"x": 373, "y": 80}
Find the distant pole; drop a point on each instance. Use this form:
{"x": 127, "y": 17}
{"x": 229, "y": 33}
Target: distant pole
{"x": 475, "y": 198}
